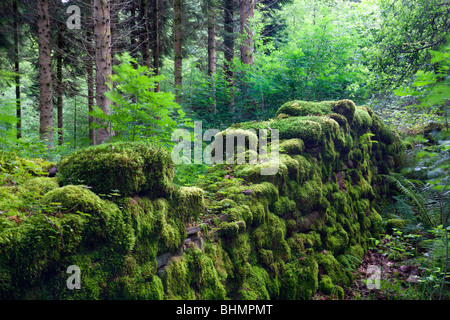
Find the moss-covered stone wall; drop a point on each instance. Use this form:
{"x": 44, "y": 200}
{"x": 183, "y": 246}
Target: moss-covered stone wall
{"x": 114, "y": 212}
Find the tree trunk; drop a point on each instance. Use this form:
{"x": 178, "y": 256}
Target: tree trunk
{"x": 45, "y": 73}
{"x": 229, "y": 37}
{"x": 156, "y": 44}
{"x": 211, "y": 39}
{"x": 59, "y": 88}
{"x": 113, "y": 24}
{"x": 178, "y": 57}
{"x": 144, "y": 35}
{"x": 102, "y": 32}
{"x": 212, "y": 50}
{"x": 133, "y": 29}
{"x": 247, "y": 8}
{"x": 90, "y": 86}
{"x": 17, "y": 70}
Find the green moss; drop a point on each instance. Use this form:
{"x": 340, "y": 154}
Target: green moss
{"x": 292, "y": 146}
{"x": 229, "y": 229}
{"x": 40, "y": 185}
{"x": 304, "y": 108}
{"x": 190, "y": 202}
{"x": 346, "y": 108}
{"x": 271, "y": 236}
{"x": 326, "y": 285}
{"x": 127, "y": 168}
{"x": 308, "y": 195}
{"x": 74, "y": 199}
{"x": 204, "y": 276}
{"x": 362, "y": 119}
{"x": 282, "y": 233}
{"x": 177, "y": 279}
{"x": 235, "y": 144}
{"x": 330, "y": 266}
{"x": 304, "y": 272}
{"x": 299, "y": 127}
{"x": 283, "y": 206}
{"x": 135, "y": 288}
{"x": 338, "y": 293}
{"x": 106, "y": 221}
{"x": 258, "y": 285}
{"x": 341, "y": 120}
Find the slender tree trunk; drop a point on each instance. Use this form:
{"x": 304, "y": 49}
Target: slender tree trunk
{"x": 229, "y": 51}
{"x": 144, "y": 35}
{"x": 247, "y": 8}
{"x": 211, "y": 39}
{"x": 17, "y": 70}
{"x": 229, "y": 37}
{"x": 133, "y": 29}
{"x": 90, "y": 86}
{"x": 178, "y": 56}
{"x": 114, "y": 21}
{"x": 59, "y": 88}
{"x": 45, "y": 73}
{"x": 102, "y": 32}
{"x": 156, "y": 44}
{"x": 212, "y": 50}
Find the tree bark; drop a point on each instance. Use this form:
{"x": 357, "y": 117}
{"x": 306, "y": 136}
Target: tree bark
{"x": 247, "y": 8}
{"x": 45, "y": 73}
{"x": 144, "y": 35}
{"x": 59, "y": 88}
{"x": 17, "y": 70}
{"x": 102, "y": 31}
{"x": 178, "y": 56}
{"x": 211, "y": 39}
{"x": 212, "y": 50}
{"x": 229, "y": 37}
{"x": 156, "y": 42}
{"x": 90, "y": 85}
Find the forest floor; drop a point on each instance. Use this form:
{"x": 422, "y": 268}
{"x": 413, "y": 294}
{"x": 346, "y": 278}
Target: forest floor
{"x": 397, "y": 277}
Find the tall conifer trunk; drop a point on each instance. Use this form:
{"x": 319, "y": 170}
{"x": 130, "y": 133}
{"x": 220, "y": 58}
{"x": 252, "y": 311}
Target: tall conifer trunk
{"x": 102, "y": 31}
{"x": 247, "y": 8}
{"x": 17, "y": 70}
{"x": 45, "y": 73}
{"x": 178, "y": 59}
{"x": 156, "y": 40}
{"x": 212, "y": 50}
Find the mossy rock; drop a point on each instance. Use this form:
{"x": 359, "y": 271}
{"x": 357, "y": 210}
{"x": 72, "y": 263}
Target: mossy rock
{"x": 299, "y": 127}
{"x": 40, "y": 185}
{"x": 346, "y": 108}
{"x": 298, "y": 108}
{"x": 326, "y": 285}
{"x": 292, "y": 146}
{"x": 106, "y": 223}
{"x": 74, "y": 199}
{"x": 126, "y": 168}
{"x": 299, "y": 280}
{"x": 362, "y": 119}
{"x": 235, "y": 144}
{"x": 190, "y": 203}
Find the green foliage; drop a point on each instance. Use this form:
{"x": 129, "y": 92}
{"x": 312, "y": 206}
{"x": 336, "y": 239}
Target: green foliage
{"x": 407, "y": 30}
{"x": 430, "y": 89}
{"x": 317, "y": 57}
{"x": 138, "y": 112}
